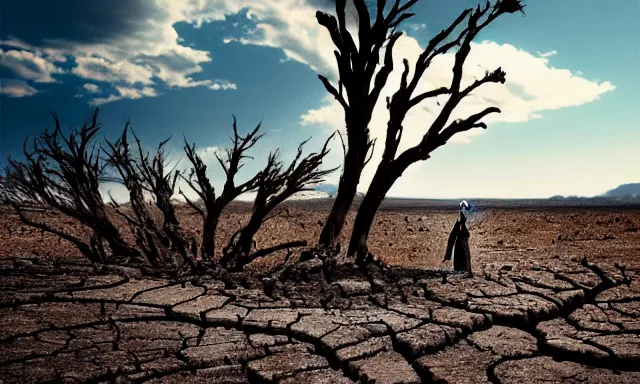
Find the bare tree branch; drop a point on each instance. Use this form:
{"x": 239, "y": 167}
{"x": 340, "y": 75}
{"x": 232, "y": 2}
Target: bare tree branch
{"x": 200, "y": 183}
{"x": 465, "y": 125}
{"x": 275, "y": 185}
{"x": 84, "y": 248}
{"x": 373, "y": 148}
{"x": 64, "y": 172}
{"x": 332, "y": 90}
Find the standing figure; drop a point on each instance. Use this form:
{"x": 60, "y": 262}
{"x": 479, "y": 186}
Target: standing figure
{"x": 458, "y": 243}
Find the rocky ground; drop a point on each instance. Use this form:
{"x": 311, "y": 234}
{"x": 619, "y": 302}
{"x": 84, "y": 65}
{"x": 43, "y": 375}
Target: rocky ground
{"x": 516, "y": 322}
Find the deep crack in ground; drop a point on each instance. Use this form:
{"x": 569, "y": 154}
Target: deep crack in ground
{"x": 516, "y": 323}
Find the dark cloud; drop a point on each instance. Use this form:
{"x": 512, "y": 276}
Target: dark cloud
{"x": 79, "y": 21}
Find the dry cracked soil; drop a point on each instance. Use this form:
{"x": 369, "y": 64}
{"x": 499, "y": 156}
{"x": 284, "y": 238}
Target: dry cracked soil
{"x": 513, "y": 322}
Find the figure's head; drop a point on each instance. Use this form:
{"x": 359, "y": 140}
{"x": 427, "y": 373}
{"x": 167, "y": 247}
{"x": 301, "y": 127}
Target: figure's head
{"x": 464, "y": 206}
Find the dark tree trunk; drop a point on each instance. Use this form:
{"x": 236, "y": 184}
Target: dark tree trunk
{"x": 380, "y": 185}
{"x": 105, "y": 229}
{"x": 117, "y": 244}
{"x": 356, "y": 67}
{"x": 386, "y": 175}
{"x": 236, "y": 253}
{"x": 362, "y": 226}
{"x": 246, "y": 237}
{"x": 347, "y": 189}
{"x": 209, "y": 226}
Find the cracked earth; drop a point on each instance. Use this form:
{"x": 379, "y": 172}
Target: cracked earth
{"x": 68, "y": 321}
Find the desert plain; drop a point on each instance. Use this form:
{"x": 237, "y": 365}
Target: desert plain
{"x": 555, "y": 297}
{"x": 410, "y": 233}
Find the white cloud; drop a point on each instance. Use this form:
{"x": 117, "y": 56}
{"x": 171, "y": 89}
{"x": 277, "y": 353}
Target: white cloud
{"x": 91, "y": 88}
{"x": 222, "y": 85}
{"x": 104, "y": 100}
{"x": 125, "y": 93}
{"x": 417, "y": 26}
{"x": 134, "y": 93}
{"x": 208, "y": 154}
{"x": 16, "y": 88}
{"x": 289, "y": 25}
{"x": 29, "y": 65}
{"x": 50, "y": 54}
{"x": 111, "y": 191}
{"x": 532, "y": 88}
{"x": 547, "y": 54}
{"x": 533, "y": 85}
{"x": 101, "y": 69}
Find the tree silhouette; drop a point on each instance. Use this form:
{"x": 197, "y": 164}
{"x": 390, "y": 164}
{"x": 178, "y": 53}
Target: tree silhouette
{"x": 164, "y": 245}
{"x": 64, "y": 172}
{"x": 275, "y": 185}
{"x": 358, "y": 89}
{"x": 200, "y": 183}
{"x": 403, "y": 100}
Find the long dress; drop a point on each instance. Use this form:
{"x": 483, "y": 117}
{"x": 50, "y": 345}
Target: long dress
{"x": 458, "y": 245}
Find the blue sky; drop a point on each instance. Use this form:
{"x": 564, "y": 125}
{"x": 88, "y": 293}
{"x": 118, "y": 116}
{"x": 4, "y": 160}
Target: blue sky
{"x": 184, "y": 67}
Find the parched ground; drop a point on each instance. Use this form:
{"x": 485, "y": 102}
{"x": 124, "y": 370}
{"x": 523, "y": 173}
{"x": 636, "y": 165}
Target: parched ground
{"x": 405, "y": 233}
{"x": 512, "y": 323}
{"x": 534, "y": 312}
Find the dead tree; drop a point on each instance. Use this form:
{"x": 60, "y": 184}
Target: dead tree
{"x": 198, "y": 180}
{"x": 144, "y": 176}
{"x": 63, "y": 172}
{"x": 357, "y": 66}
{"x": 275, "y": 185}
{"x": 162, "y": 186}
{"x": 392, "y": 165}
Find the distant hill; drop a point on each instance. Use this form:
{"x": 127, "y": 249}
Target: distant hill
{"x": 625, "y": 191}
{"x": 332, "y": 190}
{"x": 329, "y": 189}
{"x": 306, "y": 195}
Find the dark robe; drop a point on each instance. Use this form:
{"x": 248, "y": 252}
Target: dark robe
{"x": 458, "y": 246}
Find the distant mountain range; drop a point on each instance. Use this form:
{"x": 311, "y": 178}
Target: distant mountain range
{"x": 625, "y": 191}
{"x": 622, "y": 192}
